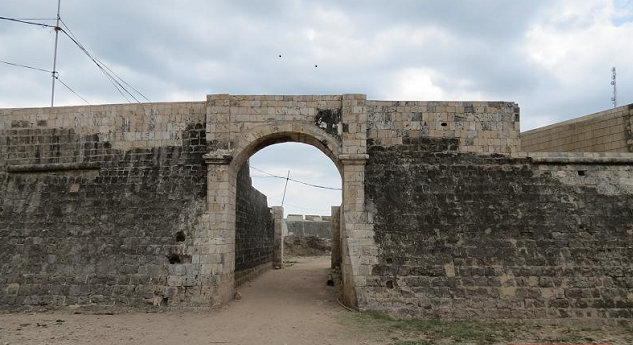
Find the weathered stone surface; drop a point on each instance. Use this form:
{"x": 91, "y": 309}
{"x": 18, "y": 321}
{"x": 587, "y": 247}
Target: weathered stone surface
{"x": 463, "y": 235}
{"x": 118, "y": 236}
{"x": 309, "y": 227}
{"x": 306, "y": 246}
{"x": 442, "y": 214}
{"x": 254, "y": 232}
{"x": 606, "y": 131}
{"x": 336, "y": 236}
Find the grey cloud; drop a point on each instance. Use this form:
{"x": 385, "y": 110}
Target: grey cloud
{"x": 187, "y": 49}
{"x": 192, "y": 48}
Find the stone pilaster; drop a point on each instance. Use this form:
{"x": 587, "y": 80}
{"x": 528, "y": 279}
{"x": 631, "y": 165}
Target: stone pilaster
{"x": 278, "y": 221}
{"x": 220, "y": 260}
{"x": 218, "y": 124}
{"x": 336, "y": 236}
{"x": 356, "y": 231}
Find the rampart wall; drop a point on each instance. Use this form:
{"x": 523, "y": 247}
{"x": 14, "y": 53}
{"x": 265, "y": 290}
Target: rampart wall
{"x": 254, "y": 230}
{"x": 472, "y": 236}
{"x": 606, "y": 131}
{"x": 101, "y": 206}
{"x": 443, "y": 213}
{"x": 299, "y": 225}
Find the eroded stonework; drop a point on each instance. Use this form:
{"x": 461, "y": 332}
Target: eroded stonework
{"x": 443, "y": 215}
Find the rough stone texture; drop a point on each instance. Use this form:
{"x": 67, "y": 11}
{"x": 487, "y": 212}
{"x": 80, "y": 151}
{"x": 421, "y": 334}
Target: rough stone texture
{"x": 309, "y": 226}
{"x": 336, "y": 236}
{"x": 254, "y": 232}
{"x": 110, "y": 206}
{"x": 484, "y": 127}
{"x": 278, "y": 222}
{"x": 471, "y": 236}
{"x": 309, "y": 245}
{"x": 119, "y": 234}
{"x": 606, "y": 131}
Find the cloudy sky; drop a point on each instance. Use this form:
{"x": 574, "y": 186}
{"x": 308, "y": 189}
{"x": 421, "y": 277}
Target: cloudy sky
{"x": 553, "y": 57}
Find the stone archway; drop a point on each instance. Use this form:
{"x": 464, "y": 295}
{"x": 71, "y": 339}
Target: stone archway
{"x": 236, "y": 129}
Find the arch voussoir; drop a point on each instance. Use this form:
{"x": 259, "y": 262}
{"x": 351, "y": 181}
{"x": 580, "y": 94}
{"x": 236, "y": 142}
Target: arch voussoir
{"x": 239, "y": 126}
{"x": 256, "y": 138}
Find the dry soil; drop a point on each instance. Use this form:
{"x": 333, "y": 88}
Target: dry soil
{"x": 292, "y": 306}
{"x": 289, "y": 306}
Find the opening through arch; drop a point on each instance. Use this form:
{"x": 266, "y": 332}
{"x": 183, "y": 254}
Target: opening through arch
{"x": 307, "y": 228}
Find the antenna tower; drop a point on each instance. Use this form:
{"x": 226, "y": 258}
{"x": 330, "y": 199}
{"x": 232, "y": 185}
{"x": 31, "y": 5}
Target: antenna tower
{"x": 614, "y": 99}
{"x": 54, "y": 72}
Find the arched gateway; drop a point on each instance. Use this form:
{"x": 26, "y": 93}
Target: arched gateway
{"x": 128, "y": 206}
{"x": 239, "y": 126}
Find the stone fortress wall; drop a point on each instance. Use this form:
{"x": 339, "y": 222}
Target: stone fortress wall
{"x": 444, "y": 213}
{"x": 308, "y": 225}
{"x": 254, "y": 230}
{"x": 102, "y": 205}
{"x": 606, "y": 131}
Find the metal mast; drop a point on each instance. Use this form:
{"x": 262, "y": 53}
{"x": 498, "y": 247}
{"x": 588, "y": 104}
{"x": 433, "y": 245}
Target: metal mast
{"x": 614, "y": 99}
{"x": 54, "y": 73}
{"x": 286, "y": 186}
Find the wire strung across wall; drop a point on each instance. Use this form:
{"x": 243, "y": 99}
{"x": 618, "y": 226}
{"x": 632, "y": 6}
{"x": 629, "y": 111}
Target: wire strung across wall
{"x": 103, "y": 67}
{"x": 293, "y": 180}
{"x": 47, "y": 71}
{"x": 300, "y": 207}
{"x": 114, "y": 78}
{"x": 26, "y": 21}
{"x": 71, "y": 90}
{"x": 25, "y": 66}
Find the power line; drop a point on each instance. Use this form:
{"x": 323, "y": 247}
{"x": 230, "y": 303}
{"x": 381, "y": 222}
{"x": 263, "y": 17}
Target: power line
{"x": 43, "y": 70}
{"x": 108, "y": 72}
{"x": 301, "y": 207}
{"x": 76, "y": 40}
{"x": 25, "y": 19}
{"x": 72, "y": 38}
{"x": 113, "y": 81}
{"x": 71, "y": 90}
{"x": 294, "y": 180}
{"x": 121, "y": 79}
{"x": 28, "y": 22}
{"x": 25, "y": 66}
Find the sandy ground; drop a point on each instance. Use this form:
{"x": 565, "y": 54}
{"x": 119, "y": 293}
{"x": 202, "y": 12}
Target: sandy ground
{"x": 289, "y": 306}
{"x": 293, "y": 306}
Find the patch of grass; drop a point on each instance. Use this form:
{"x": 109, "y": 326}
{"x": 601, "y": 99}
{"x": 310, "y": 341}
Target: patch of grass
{"x": 390, "y": 331}
{"x": 409, "y": 342}
{"x": 289, "y": 263}
{"x": 563, "y": 340}
{"x": 430, "y": 331}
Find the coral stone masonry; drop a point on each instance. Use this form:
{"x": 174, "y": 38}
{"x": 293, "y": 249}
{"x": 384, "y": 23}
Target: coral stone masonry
{"x": 444, "y": 215}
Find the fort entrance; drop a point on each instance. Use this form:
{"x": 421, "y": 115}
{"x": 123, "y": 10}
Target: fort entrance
{"x": 238, "y": 127}
{"x": 443, "y": 215}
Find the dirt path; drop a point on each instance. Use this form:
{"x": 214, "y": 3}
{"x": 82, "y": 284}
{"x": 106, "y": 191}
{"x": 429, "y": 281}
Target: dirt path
{"x": 289, "y": 306}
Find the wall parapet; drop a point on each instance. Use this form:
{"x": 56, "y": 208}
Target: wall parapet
{"x": 605, "y": 131}
{"x": 606, "y": 158}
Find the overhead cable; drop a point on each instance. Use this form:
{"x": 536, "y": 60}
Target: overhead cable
{"x": 114, "y": 82}
{"x": 69, "y": 33}
{"x": 25, "y": 66}
{"x": 28, "y": 22}
{"x": 301, "y": 207}
{"x": 109, "y": 73}
{"x": 43, "y": 70}
{"x": 71, "y": 90}
{"x": 30, "y": 19}
{"x": 294, "y": 180}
